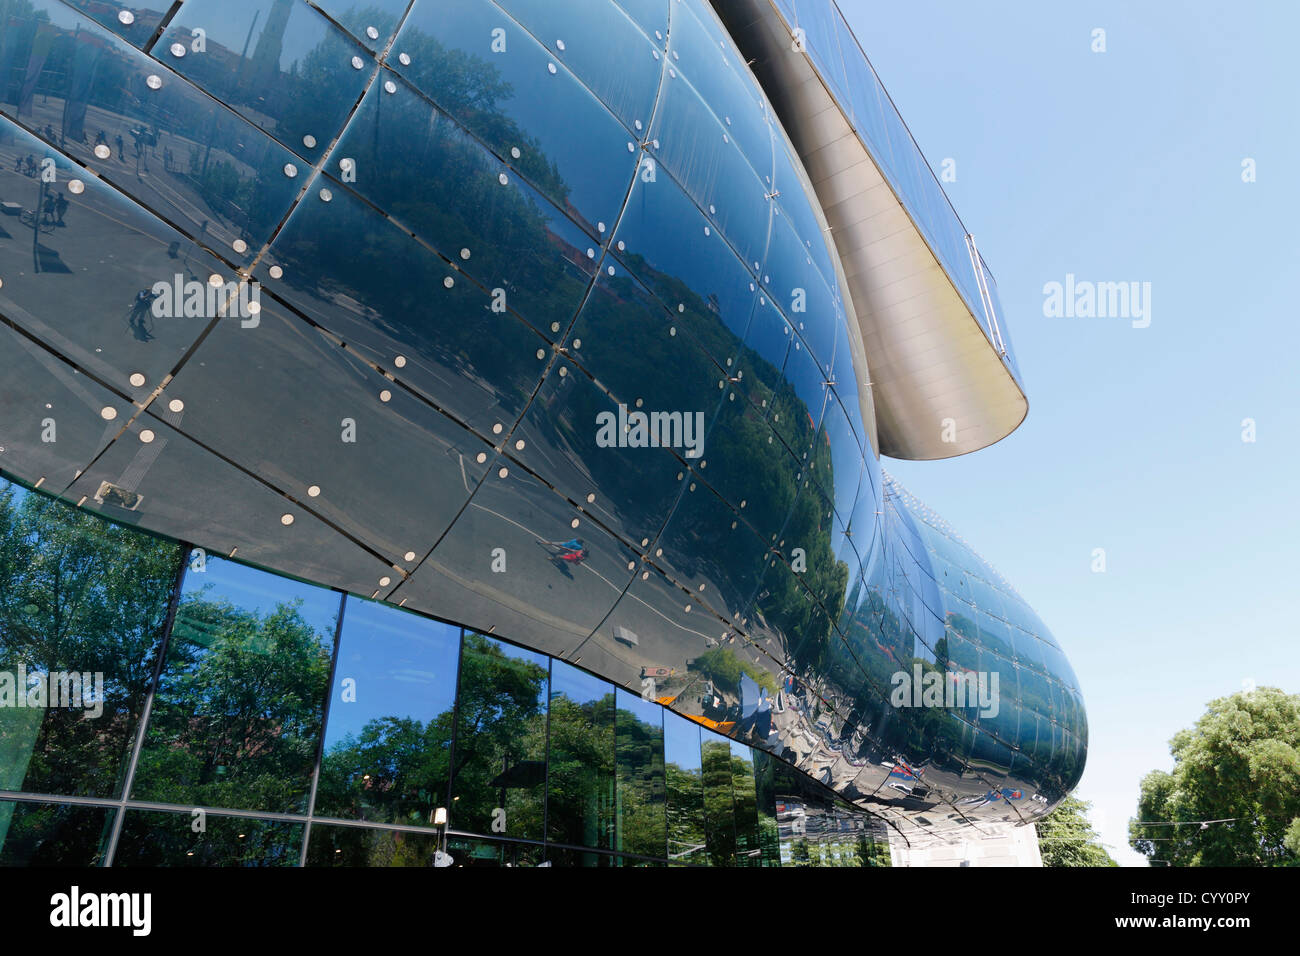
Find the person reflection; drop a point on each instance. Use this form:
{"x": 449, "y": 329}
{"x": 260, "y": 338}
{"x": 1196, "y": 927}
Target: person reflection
{"x": 566, "y": 554}
{"x": 140, "y": 316}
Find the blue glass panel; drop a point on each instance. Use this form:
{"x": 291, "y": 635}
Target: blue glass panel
{"x": 371, "y": 22}
{"x": 387, "y": 750}
{"x": 481, "y": 67}
{"x": 692, "y": 144}
{"x": 279, "y": 63}
{"x": 603, "y": 47}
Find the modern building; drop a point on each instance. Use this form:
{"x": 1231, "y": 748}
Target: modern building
{"x": 458, "y": 425}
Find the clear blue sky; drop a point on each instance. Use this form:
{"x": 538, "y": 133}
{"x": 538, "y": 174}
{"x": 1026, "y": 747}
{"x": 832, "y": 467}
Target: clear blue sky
{"x": 1126, "y": 165}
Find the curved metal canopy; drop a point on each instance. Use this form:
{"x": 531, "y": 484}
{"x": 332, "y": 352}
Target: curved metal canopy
{"x": 942, "y": 377}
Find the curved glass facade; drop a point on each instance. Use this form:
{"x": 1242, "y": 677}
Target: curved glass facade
{"x": 516, "y": 317}
{"x": 291, "y": 724}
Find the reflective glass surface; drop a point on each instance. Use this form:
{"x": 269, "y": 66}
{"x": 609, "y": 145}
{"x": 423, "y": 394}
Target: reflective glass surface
{"x": 490, "y": 853}
{"x": 387, "y": 754}
{"x": 499, "y": 768}
{"x": 748, "y": 849}
{"x": 83, "y": 605}
{"x": 603, "y": 47}
{"x": 477, "y": 267}
{"x": 281, "y": 64}
{"x": 53, "y": 834}
{"x": 371, "y": 22}
{"x": 719, "y": 808}
{"x": 506, "y": 88}
{"x": 175, "y": 149}
{"x": 685, "y": 791}
{"x": 581, "y": 789}
{"x": 641, "y": 822}
{"x": 421, "y": 717}
{"x": 367, "y": 846}
{"x": 236, "y": 717}
{"x": 156, "y": 838}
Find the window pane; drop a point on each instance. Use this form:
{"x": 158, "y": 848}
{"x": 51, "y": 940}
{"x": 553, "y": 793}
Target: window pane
{"x": 639, "y": 742}
{"x": 685, "y": 790}
{"x": 365, "y": 846}
{"x": 387, "y": 746}
{"x": 237, "y": 718}
{"x": 499, "y": 762}
{"x": 300, "y": 90}
{"x": 765, "y": 793}
{"x": 603, "y": 48}
{"x": 575, "y": 858}
{"x": 158, "y": 838}
{"x": 719, "y": 811}
{"x": 580, "y": 809}
{"x": 82, "y": 601}
{"x": 53, "y": 834}
{"x": 489, "y": 853}
{"x": 571, "y": 147}
{"x": 748, "y": 852}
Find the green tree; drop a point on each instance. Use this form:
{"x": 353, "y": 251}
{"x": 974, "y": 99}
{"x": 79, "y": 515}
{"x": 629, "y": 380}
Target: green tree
{"x": 1239, "y": 764}
{"x": 1292, "y": 840}
{"x": 394, "y": 771}
{"x": 77, "y": 594}
{"x": 799, "y": 855}
{"x": 1066, "y": 838}
{"x": 237, "y": 718}
{"x": 500, "y": 741}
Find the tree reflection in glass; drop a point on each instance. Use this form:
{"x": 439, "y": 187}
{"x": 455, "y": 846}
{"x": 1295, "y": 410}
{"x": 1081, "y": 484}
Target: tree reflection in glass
{"x": 387, "y": 746}
{"x": 369, "y": 846}
{"x": 639, "y": 743}
{"x": 685, "y": 790}
{"x": 237, "y": 717}
{"x": 159, "y": 838}
{"x": 53, "y": 834}
{"x": 746, "y": 806}
{"x": 580, "y": 807}
{"x": 499, "y": 764}
{"x": 719, "y": 809}
{"x": 77, "y": 594}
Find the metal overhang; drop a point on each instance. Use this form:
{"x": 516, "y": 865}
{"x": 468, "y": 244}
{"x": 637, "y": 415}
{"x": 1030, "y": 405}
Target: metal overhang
{"x": 940, "y": 387}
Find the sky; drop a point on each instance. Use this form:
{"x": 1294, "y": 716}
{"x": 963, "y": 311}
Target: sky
{"x": 1126, "y": 165}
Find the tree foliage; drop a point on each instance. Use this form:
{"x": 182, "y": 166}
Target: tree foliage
{"x": 77, "y": 594}
{"x": 237, "y": 719}
{"x": 1240, "y": 764}
{"x": 1066, "y": 838}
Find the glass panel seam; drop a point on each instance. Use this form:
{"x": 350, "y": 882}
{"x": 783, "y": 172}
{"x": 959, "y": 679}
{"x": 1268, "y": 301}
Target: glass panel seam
{"x": 147, "y": 711}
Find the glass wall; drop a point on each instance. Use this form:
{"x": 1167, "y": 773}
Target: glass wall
{"x": 237, "y": 713}
{"x": 684, "y": 780}
{"x": 701, "y": 251}
{"x": 232, "y": 717}
{"x": 499, "y": 769}
{"x": 85, "y": 601}
{"x": 640, "y": 817}
{"x": 816, "y": 828}
{"x": 388, "y": 745}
